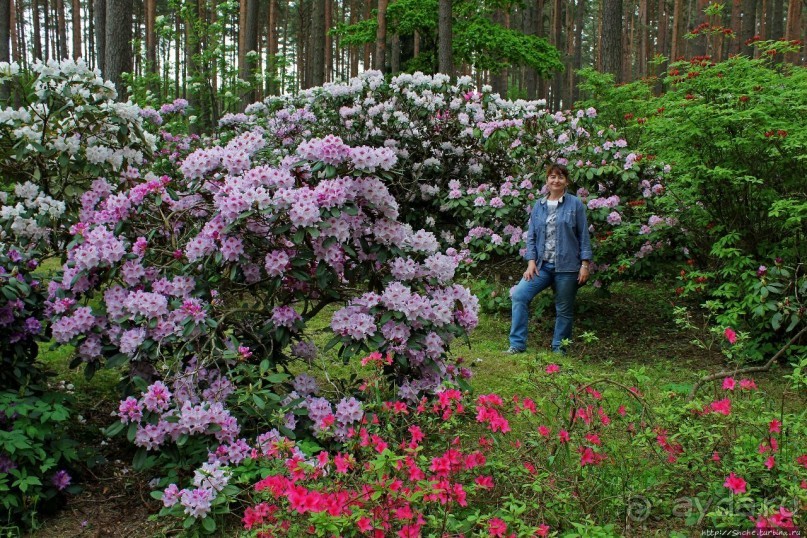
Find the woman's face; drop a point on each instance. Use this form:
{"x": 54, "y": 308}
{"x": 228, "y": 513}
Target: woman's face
{"x": 556, "y": 183}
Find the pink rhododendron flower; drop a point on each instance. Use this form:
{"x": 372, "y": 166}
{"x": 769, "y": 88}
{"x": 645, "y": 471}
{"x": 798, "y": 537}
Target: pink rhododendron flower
{"x": 552, "y": 368}
{"x": 770, "y": 462}
{"x": 775, "y": 426}
{"x": 728, "y": 383}
{"x": 735, "y": 483}
{"x": 542, "y": 530}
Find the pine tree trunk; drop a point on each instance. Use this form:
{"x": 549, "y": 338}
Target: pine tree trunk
{"x": 557, "y": 41}
{"x": 748, "y": 26}
{"x": 445, "y": 29}
{"x": 5, "y": 35}
{"x": 75, "y": 20}
{"x": 793, "y": 31}
{"x": 777, "y": 19}
{"x": 46, "y": 28}
{"x": 569, "y": 60}
{"x": 316, "y": 53}
{"x": 644, "y": 39}
{"x": 379, "y": 59}
{"x": 366, "y": 58}
{"x": 37, "y": 34}
{"x": 628, "y": 40}
{"x": 354, "y": 50}
{"x": 152, "y": 65}
{"x": 328, "y": 42}
{"x": 678, "y": 24}
{"x": 118, "y": 49}
{"x": 579, "y": 21}
{"x": 271, "y": 50}
{"x": 100, "y": 34}
{"x": 612, "y": 38}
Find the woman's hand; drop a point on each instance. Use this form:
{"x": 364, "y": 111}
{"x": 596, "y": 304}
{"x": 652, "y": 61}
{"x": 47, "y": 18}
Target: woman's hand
{"x": 531, "y": 270}
{"x": 582, "y": 275}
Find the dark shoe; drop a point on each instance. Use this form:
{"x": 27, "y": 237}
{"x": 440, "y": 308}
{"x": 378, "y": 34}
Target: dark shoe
{"x": 513, "y": 351}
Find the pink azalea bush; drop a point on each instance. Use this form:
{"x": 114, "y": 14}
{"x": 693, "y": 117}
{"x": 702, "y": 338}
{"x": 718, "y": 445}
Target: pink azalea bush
{"x": 459, "y": 464}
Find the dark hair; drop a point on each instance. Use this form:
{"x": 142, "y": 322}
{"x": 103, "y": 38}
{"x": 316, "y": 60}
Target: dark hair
{"x": 559, "y": 168}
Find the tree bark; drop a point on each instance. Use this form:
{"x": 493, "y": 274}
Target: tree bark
{"x": 444, "y": 35}
{"x": 99, "y": 7}
{"x": 366, "y": 57}
{"x": 644, "y": 38}
{"x": 75, "y": 25}
{"x": 5, "y": 32}
{"x": 118, "y": 48}
{"x": 316, "y": 53}
{"x": 677, "y": 41}
{"x": 579, "y": 21}
{"x": 748, "y": 25}
{"x": 569, "y": 85}
{"x": 328, "y": 42}
{"x": 612, "y": 38}
{"x": 556, "y": 35}
{"x": 37, "y": 34}
{"x": 777, "y": 19}
{"x": 271, "y": 49}
{"x": 793, "y": 31}
{"x": 151, "y": 36}
{"x": 379, "y": 59}
{"x": 354, "y": 50}
{"x": 61, "y": 24}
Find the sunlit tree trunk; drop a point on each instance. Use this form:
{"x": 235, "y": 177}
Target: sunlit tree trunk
{"x": 151, "y": 36}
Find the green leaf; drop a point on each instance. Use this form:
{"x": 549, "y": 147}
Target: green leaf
{"x": 209, "y": 524}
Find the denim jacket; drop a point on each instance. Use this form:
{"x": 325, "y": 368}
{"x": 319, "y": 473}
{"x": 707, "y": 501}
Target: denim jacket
{"x": 573, "y": 242}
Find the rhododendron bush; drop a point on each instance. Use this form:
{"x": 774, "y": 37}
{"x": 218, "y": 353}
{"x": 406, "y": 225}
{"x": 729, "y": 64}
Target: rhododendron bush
{"x": 67, "y": 129}
{"x": 231, "y": 258}
{"x": 472, "y": 163}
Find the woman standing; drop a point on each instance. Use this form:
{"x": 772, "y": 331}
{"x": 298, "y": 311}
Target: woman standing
{"x": 558, "y": 254}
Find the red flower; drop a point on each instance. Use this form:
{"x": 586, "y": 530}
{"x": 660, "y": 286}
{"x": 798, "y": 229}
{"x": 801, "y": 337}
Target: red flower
{"x": 364, "y": 524}
{"x": 728, "y": 383}
{"x": 542, "y": 530}
{"x": 563, "y": 435}
{"x": 484, "y": 482}
{"x": 770, "y": 462}
{"x": 775, "y": 426}
{"x": 735, "y": 484}
{"x": 730, "y": 334}
{"x": 497, "y": 527}
{"x": 722, "y": 407}
{"x": 552, "y": 368}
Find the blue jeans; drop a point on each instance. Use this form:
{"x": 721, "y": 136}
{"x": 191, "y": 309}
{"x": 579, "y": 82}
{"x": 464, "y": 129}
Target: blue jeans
{"x": 565, "y": 291}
